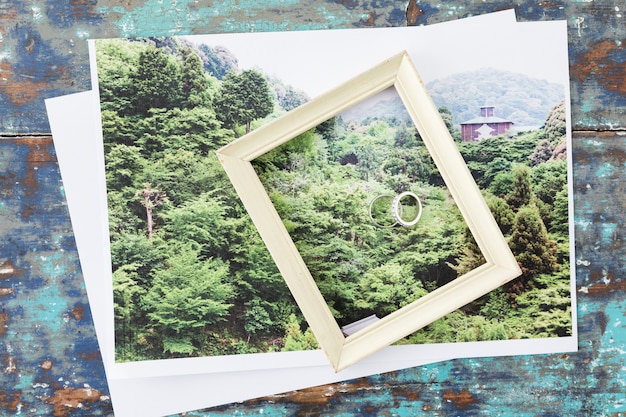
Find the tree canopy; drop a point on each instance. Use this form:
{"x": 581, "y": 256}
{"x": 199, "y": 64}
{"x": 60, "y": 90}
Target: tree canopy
{"x": 244, "y": 97}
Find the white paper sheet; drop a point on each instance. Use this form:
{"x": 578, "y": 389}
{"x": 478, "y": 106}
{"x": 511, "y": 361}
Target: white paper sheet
{"x": 153, "y": 388}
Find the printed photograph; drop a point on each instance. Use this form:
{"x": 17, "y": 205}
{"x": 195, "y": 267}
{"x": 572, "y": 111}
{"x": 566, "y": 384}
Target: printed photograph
{"x": 359, "y": 195}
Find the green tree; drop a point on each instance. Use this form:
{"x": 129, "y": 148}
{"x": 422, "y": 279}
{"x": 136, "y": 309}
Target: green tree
{"x": 555, "y": 127}
{"x": 296, "y": 339}
{"x": 126, "y": 215}
{"x": 502, "y": 184}
{"x": 431, "y": 247}
{"x": 493, "y": 168}
{"x": 261, "y": 290}
{"x": 497, "y": 306}
{"x": 117, "y": 59}
{"x": 123, "y": 162}
{"x": 548, "y": 179}
{"x": 145, "y": 255}
{"x": 406, "y": 137}
{"x": 545, "y": 311}
{"x": 257, "y": 317}
{"x": 184, "y": 176}
{"x": 196, "y": 130}
{"x": 502, "y": 214}
{"x": 470, "y": 256}
{"x": 196, "y": 83}
{"x": 490, "y": 157}
{"x": 119, "y": 129}
{"x": 522, "y": 192}
{"x": 385, "y": 289}
{"x": 156, "y": 81}
{"x": 559, "y": 216}
{"x": 187, "y": 298}
{"x": 129, "y": 318}
{"x": 289, "y": 156}
{"x": 201, "y": 224}
{"x": 336, "y": 266}
{"x": 533, "y": 249}
{"x": 244, "y": 97}
{"x": 369, "y": 160}
{"x": 446, "y": 116}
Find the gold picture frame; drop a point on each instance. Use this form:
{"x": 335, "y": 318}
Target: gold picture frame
{"x": 500, "y": 265}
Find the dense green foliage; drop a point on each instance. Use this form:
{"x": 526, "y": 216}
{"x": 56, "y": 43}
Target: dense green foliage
{"x": 244, "y": 97}
{"x": 192, "y": 276}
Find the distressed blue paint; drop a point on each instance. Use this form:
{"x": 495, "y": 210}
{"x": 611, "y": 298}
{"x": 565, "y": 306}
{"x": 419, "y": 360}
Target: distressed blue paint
{"x": 427, "y": 12}
{"x": 157, "y": 17}
{"x": 610, "y": 357}
{"x": 50, "y": 306}
{"x": 586, "y": 106}
{"x": 65, "y": 14}
{"x": 605, "y": 170}
{"x": 609, "y": 233}
{"x": 25, "y": 383}
{"x": 42, "y": 322}
{"x": 593, "y": 143}
{"x": 166, "y": 18}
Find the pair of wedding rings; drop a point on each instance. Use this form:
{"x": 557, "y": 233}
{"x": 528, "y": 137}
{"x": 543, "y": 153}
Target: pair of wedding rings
{"x": 396, "y": 210}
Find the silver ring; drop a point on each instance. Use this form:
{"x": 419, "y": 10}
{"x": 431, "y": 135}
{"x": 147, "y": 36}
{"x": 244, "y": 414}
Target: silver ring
{"x": 396, "y": 210}
{"x": 372, "y": 217}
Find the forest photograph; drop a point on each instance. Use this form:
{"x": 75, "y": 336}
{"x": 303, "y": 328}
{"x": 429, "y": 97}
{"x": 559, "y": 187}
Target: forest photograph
{"x": 191, "y": 275}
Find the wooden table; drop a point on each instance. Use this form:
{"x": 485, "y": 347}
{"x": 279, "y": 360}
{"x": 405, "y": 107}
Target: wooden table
{"x": 48, "y": 350}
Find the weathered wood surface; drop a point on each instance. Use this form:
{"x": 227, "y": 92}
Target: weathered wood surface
{"x": 48, "y": 350}
{"x": 43, "y": 48}
{"x": 49, "y": 358}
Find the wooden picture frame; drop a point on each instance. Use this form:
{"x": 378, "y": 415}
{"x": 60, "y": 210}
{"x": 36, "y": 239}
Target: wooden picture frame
{"x": 500, "y": 265}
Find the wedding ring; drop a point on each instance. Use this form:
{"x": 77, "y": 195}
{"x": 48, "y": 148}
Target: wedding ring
{"x": 372, "y": 216}
{"x": 396, "y": 209}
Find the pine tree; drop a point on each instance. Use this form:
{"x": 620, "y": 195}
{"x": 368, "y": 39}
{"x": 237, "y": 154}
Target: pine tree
{"x": 559, "y": 216}
{"x": 522, "y": 193}
{"x": 471, "y": 257}
{"x": 295, "y": 339}
{"x": 502, "y": 213}
{"x": 533, "y": 249}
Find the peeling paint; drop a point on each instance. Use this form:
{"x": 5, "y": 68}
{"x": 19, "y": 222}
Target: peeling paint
{"x": 65, "y": 401}
{"x": 462, "y": 400}
{"x": 6, "y": 291}
{"x": 605, "y": 170}
{"x": 46, "y": 365}
{"x": 4, "y": 323}
{"x": 9, "y": 401}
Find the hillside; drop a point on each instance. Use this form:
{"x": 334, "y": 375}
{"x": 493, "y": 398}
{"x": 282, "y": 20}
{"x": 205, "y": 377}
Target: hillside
{"x": 517, "y": 97}
{"x": 524, "y": 100}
